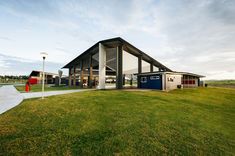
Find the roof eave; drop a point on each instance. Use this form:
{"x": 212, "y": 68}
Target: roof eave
{"x": 123, "y": 42}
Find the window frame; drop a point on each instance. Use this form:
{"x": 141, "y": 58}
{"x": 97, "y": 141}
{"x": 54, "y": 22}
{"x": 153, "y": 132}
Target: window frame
{"x": 154, "y": 77}
{"x": 143, "y": 81}
{"x": 170, "y": 79}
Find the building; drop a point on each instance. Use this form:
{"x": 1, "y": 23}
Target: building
{"x": 35, "y": 77}
{"x": 168, "y": 80}
{"x": 105, "y": 59}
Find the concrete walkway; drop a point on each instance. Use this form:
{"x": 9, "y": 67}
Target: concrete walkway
{"x": 9, "y": 98}
{"x": 51, "y": 93}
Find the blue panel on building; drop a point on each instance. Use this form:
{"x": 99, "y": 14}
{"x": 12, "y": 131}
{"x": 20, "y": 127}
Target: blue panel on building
{"x": 150, "y": 81}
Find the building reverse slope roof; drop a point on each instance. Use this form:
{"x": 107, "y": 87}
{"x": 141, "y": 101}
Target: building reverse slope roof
{"x": 112, "y": 43}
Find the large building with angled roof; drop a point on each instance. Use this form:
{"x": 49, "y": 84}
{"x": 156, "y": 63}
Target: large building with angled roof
{"x": 117, "y": 63}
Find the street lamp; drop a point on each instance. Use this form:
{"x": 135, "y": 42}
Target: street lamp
{"x": 43, "y": 54}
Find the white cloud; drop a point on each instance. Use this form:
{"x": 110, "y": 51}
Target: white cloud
{"x": 19, "y": 66}
{"x": 196, "y": 36}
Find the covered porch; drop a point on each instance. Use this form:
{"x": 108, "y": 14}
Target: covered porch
{"x": 104, "y": 63}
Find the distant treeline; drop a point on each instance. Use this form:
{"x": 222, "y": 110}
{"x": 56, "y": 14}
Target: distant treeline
{"x": 13, "y": 78}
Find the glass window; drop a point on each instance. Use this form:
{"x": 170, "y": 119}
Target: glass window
{"x": 170, "y": 79}
{"x": 154, "y": 77}
{"x": 143, "y": 79}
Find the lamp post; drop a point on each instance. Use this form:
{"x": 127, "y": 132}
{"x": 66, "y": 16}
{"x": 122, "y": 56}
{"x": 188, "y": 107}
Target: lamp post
{"x": 43, "y": 54}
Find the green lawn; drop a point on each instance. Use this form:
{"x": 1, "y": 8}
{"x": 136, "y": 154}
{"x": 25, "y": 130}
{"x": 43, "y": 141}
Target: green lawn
{"x": 38, "y": 88}
{"x": 182, "y": 122}
{"x": 221, "y": 83}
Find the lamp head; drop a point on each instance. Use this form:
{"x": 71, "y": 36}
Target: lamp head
{"x": 44, "y": 55}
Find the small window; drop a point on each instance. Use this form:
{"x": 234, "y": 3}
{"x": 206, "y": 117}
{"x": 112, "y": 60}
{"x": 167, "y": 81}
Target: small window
{"x": 154, "y": 77}
{"x": 143, "y": 79}
{"x": 170, "y": 79}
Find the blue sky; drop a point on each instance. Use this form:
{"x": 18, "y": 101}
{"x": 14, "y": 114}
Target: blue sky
{"x": 196, "y": 36}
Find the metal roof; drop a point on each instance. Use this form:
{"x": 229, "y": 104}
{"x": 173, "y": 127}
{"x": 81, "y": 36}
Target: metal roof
{"x": 113, "y": 42}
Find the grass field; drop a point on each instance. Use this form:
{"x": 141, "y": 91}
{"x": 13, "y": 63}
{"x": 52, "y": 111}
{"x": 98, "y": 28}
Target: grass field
{"x": 38, "y": 88}
{"x": 221, "y": 83}
{"x": 181, "y": 122}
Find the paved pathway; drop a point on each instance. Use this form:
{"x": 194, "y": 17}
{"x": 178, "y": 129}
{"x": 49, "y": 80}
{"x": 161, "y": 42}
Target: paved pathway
{"x": 9, "y": 98}
{"x": 51, "y": 93}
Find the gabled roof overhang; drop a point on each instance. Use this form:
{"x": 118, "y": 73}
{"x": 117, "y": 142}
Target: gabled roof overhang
{"x": 112, "y": 43}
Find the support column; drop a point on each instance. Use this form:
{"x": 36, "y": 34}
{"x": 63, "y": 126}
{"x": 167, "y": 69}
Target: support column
{"x": 139, "y": 64}
{"x": 81, "y": 74}
{"x": 102, "y": 66}
{"x": 70, "y": 77}
{"x": 124, "y": 80}
{"x": 46, "y": 78}
{"x": 74, "y": 75}
{"x": 119, "y": 78}
{"x": 188, "y": 81}
{"x": 90, "y": 73}
{"x": 131, "y": 80}
{"x": 163, "y": 81}
{"x": 151, "y": 67}
{"x": 139, "y": 70}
